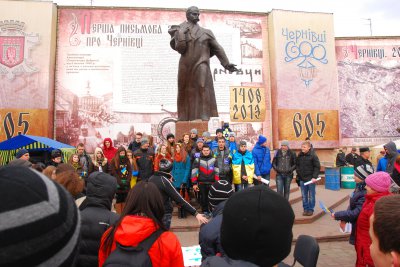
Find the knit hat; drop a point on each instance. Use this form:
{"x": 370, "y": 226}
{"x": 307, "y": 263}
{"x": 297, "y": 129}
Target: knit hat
{"x": 363, "y": 171}
{"x": 170, "y": 135}
{"x": 40, "y": 228}
{"x": 242, "y": 143}
{"x": 257, "y": 226}
{"x": 200, "y": 140}
{"x": 55, "y": 153}
{"x": 206, "y": 134}
{"x": 364, "y": 149}
{"x": 261, "y": 139}
{"x": 21, "y": 152}
{"x": 219, "y": 131}
{"x": 285, "y": 143}
{"x": 379, "y": 181}
{"x": 219, "y": 191}
{"x": 232, "y": 134}
{"x": 144, "y": 141}
{"x": 194, "y": 131}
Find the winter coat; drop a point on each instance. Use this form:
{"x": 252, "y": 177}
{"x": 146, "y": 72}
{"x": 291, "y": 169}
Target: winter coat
{"x": 181, "y": 172}
{"x": 168, "y": 192}
{"x": 391, "y": 156}
{"x": 217, "y": 261}
{"x": 214, "y": 144}
{"x": 109, "y": 153}
{"x": 209, "y": 235}
{"x": 307, "y": 166}
{"x": 144, "y": 160}
{"x": 351, "y": 158}
{"x": 341, "y": 159}
{"x": 361, "y": 161}
{"x": 248, "y": 162}
{"x": 103, "y": 163}
{"x": 363, "y": 240}
{"x": 86, "y": 163}
{"x": 166, "y": 251}
{"x": 382, "y": 164}
{"x": 158, "y": 158}
{"x": 224, "y": 164}
{"x": 205, "y": 170}
{"x": 351, "y": 214}
{"x": 262, "y": 159}
{"x": 123, "y": 174}
{"x": 196, "y": 153}
{"x": 96, "y": 216}
{"x": 284, "y": 164}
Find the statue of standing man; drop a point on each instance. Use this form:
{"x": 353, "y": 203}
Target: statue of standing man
{"x": 196, "y": 96}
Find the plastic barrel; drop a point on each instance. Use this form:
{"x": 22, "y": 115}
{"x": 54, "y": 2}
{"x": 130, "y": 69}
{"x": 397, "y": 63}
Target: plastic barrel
{"x": 332, "y": 178}
{"x": 347, "y": 174}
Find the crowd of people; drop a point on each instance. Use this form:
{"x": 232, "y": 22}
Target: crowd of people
{"x": 114, "y": 208}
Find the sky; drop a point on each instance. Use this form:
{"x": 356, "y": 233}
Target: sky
{"x": 351, "y": 17}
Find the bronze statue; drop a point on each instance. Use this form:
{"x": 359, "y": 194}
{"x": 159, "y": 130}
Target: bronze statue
{"x": 196, "y": 96}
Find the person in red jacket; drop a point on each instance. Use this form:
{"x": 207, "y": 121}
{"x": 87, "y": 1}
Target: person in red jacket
{"x": 162, "y": 153}
{"x": 108, "y": 149}
{"x": 377, "y": 186}
{"x": 141, "y": 217}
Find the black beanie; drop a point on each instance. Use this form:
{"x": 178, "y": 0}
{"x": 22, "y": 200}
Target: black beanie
{"x": 39, "y": 220}
{"x": 257, "y": 226}
{"x": 219, "y": 191}
{"x": 170, "y": 135}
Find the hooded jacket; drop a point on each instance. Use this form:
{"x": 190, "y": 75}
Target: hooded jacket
{"x": 363, "y": 240}
{"x": 205, "y": 170}
{"x": 262, "y": 159}
{"x": 109, "y": 153}
{"x": 209, "y": 235}
{"x": 166, "y": 251}
{"x": 391, "y": 156}
{"x": 96, "y": 216}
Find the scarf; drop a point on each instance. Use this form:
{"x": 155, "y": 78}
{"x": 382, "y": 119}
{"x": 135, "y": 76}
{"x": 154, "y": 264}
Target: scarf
{"x": 178, "y": 157}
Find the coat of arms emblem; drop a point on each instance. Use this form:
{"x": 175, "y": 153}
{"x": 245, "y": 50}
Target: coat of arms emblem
{"x": 15, "y": 46}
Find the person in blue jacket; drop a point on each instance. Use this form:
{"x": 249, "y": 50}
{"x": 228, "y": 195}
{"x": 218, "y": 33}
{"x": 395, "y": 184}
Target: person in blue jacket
{"x": 214, "y": 144}
{"x": 262, "y": 159}
{"x": 382, "y": 164}
{"x": 231, "y": 144}
{"x": 180, "y": 173}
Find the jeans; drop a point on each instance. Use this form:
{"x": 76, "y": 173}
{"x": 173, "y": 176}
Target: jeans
{"x": 283, "y": 184}
{"x": 239, "y": 187}
{"x": 204, "y": 189}
{"x": 167, "y": 220}
{"x": 308, "y": 195}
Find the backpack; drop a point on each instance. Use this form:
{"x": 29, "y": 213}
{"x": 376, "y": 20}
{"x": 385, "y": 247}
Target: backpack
{"x": 133, "y": 256}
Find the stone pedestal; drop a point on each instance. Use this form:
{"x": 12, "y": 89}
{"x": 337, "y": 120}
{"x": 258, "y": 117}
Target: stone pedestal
{"x": 185, "y": 127}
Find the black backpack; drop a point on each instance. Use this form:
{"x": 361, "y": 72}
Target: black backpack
{"x": 133, "y": 256}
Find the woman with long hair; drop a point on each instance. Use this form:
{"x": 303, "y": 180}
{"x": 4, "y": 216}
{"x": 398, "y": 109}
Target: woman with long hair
{"x": 187, "y": 143}
{"x": 162, "y": 153}
{"x": 181, "y": 173}
{"x": 121, "y": 169}
{"x": 100, "y": 162}
{"x": 141, "y": 217}
{"x": 77, "y": 165}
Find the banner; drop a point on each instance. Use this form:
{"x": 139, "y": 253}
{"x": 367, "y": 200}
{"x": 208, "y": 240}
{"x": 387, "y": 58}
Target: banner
{"x": 304, "y": 78}
{"x": 247, "y": 104}
{"x": 117, "y": 74}
{"x": 369, "y": 84}
{"x": 27, "y": 60}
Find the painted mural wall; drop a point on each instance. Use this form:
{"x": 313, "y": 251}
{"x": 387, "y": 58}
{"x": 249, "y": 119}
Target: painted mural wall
{"x": 27, "y": 58}
{"x": 305, "y": 99}
{"x": 117, "y": 74}
{"x": 369, "y": 86}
